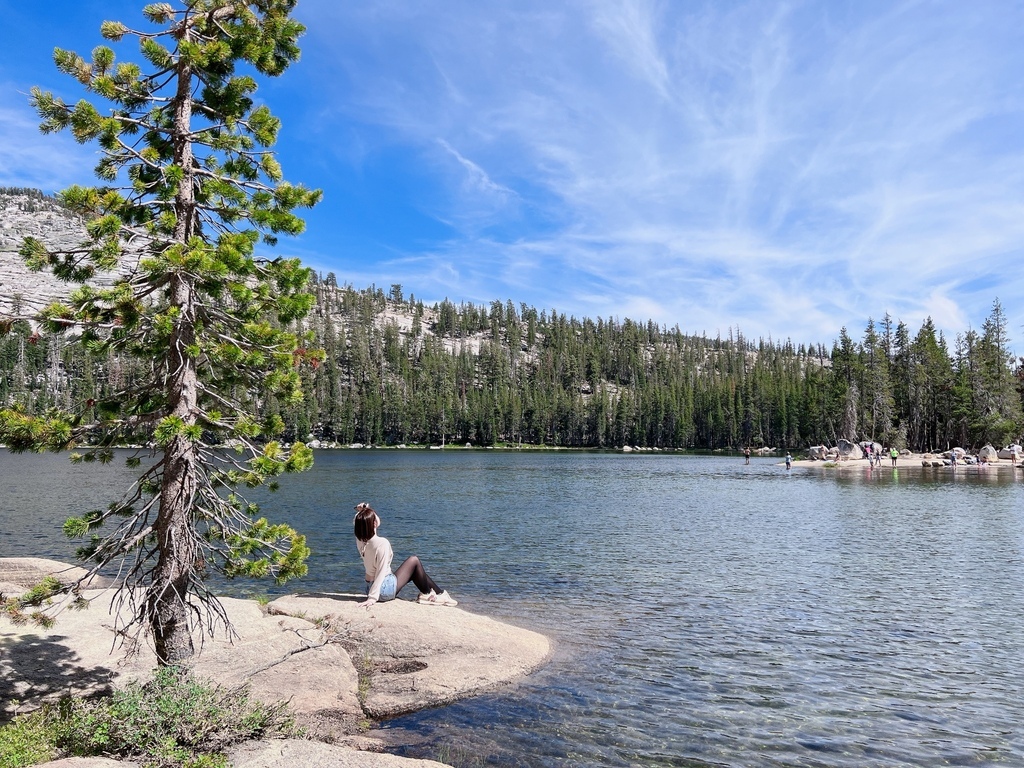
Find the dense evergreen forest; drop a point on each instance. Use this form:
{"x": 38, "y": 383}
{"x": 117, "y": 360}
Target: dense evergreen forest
{"x": 399, "y": 372}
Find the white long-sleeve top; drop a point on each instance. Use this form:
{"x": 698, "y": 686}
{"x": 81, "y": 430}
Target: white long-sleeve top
{"x": 377, "y": 556}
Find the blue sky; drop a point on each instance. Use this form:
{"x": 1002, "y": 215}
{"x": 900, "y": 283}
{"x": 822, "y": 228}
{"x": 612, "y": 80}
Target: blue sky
{"x": 785, "y": 168}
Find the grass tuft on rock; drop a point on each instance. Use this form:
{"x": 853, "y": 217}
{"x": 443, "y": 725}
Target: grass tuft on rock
{"x": 172, "y": 721}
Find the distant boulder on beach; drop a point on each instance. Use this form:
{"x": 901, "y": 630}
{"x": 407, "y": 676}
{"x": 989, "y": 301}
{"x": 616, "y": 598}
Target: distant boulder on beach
{"x": 988, "y": 453}
{"x": 849, "y": 449}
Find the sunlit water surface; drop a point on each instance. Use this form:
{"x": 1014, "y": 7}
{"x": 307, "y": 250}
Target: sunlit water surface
{"x": 706, "y": 613}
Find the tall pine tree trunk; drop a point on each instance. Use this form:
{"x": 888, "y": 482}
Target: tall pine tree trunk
{"x": 174, "y": 529}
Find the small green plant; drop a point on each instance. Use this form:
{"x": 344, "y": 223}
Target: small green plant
{"x": 172, "y": 721}
{"x": 27, "y": 741}
{"x": 364, "y": 669}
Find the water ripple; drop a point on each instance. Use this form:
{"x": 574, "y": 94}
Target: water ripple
{"x": 707, "y": 613}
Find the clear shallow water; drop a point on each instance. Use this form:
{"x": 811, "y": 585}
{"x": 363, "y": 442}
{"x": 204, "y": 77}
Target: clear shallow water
{"x": 706, "y": 612}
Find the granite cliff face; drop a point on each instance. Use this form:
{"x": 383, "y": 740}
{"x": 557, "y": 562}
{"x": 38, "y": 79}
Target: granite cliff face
{"x": 29, "y": 213}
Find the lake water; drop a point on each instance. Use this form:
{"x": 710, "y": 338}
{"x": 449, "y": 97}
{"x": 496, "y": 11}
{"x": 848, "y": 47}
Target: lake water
{"x": 707, "y": 613}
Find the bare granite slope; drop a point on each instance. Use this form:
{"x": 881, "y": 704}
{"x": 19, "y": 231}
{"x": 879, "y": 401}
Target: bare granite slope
{"x": 334, "y": 662}
{"x": 21, "y": 216}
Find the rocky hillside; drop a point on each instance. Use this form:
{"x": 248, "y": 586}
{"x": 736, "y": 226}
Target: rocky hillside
{"x": 30, "y": 213}
{"x": 398, "y": 371}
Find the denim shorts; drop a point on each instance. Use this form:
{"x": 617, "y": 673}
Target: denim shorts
{"x": 387, "y": 588}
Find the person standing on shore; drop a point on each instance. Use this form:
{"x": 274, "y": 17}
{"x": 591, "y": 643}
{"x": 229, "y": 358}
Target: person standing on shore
{"x": 893, "y": 454}
{"x": 376, "y": 552}
{"x": 789, "y": 461}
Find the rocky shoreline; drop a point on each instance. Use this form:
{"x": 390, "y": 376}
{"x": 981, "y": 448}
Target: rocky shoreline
{"x": 908, "y": 460}
{"x": 340, "y": 667}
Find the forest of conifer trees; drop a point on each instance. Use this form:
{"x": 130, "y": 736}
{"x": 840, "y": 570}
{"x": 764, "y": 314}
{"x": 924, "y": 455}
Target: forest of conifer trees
{"x": 398, "y": 372}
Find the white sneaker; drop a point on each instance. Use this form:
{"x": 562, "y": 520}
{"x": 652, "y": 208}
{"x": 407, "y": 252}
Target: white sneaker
{"x": 426, "y": 597}
{"x": 443, "y": 599}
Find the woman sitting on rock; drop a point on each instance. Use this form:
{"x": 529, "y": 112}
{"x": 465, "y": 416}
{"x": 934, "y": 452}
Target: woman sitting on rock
{"x": 382, "y": 584}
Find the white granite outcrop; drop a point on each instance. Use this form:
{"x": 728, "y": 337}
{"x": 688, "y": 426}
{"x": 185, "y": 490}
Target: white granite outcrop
{"x": 334, "y": 662}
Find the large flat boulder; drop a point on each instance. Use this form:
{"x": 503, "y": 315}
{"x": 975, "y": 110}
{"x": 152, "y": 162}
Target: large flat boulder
{"x": 298, "y": 649}
{"x": 19, "y": 574}
{"x": 413, "y": 656}
{"x": 280, "y": 657}
{"x": 79, "y": 655}
{"x": 278, "y": 753}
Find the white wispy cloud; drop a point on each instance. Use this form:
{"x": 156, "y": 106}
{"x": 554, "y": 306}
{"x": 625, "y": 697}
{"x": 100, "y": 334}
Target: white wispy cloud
{"x": 30, "y": 158}
{"x": 479, "y": 199}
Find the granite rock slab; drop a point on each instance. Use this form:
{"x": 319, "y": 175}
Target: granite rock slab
{"x": 413, "y": 656}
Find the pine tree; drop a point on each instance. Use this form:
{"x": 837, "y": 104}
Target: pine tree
{"x": 901, "y": 375}
{"x": 876, "y": 389}
{"x": 999, "y": 414}
{"x": 930, "y": 390}
{"x": 190, "y": 186}
{"x": 843, "y": 390}
{"x": 966, "y": 424}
